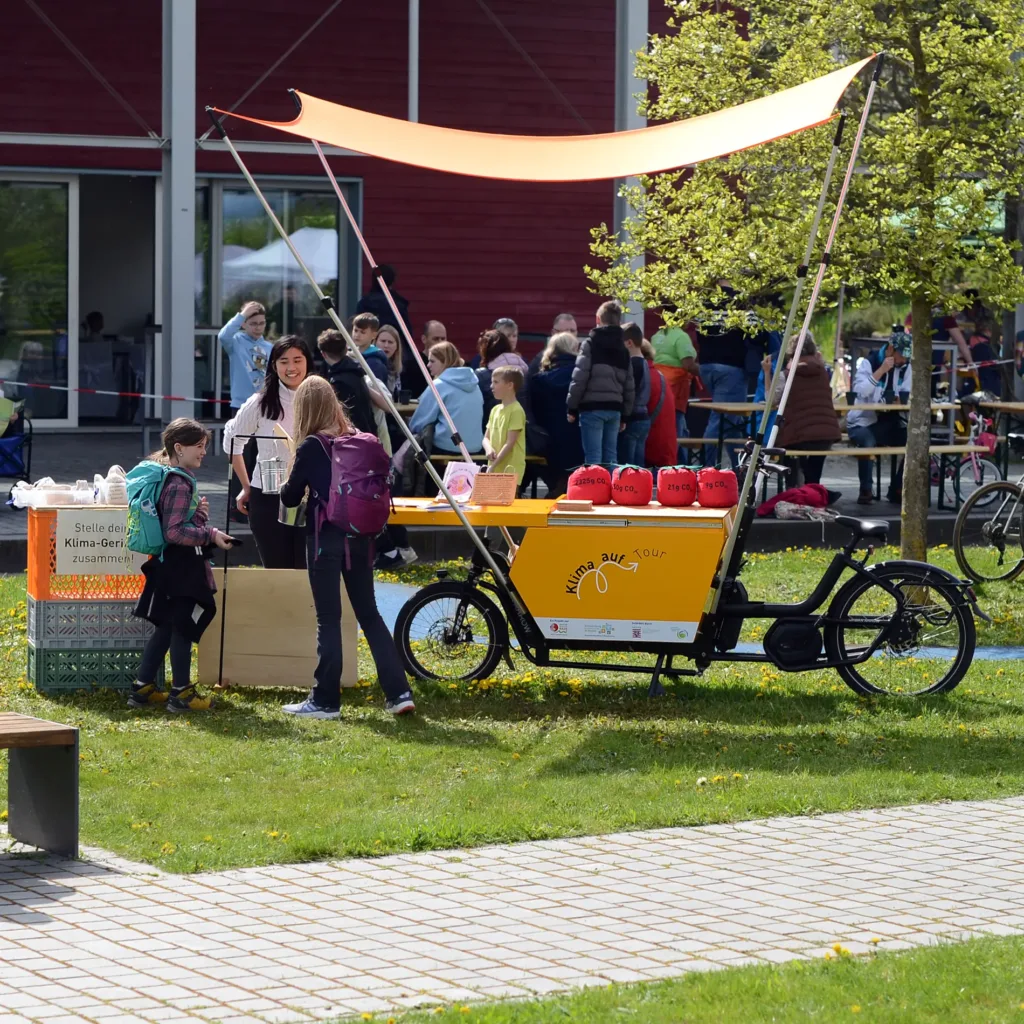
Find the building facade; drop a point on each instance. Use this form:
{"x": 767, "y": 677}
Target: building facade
{"x": 127, "y": 235}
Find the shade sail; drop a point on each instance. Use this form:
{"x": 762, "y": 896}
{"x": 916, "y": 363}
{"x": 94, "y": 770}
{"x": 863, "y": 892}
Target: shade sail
{"x": 574, "y": 157}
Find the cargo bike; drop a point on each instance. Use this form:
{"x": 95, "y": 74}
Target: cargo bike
{"x": 643, "y": 581}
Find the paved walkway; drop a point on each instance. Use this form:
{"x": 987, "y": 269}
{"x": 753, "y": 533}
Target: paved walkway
{"x": 106, "y": 941}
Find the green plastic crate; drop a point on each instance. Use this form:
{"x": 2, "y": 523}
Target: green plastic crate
{"x": 63, "y": 671}
{"x": 86, "y": 625}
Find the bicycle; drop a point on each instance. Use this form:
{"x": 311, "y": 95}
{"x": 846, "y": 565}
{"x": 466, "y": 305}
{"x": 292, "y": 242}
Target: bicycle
{"x": 991, "y": 548}
{"x": 974, "y": 471}
{"x": 897, "y": 627}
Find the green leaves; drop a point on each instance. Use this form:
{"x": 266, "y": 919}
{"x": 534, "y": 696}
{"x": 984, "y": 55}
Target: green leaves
{"x": 942, "y": 147}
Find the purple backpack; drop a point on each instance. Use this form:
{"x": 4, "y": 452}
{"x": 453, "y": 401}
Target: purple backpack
{"x": 360, "y": 500}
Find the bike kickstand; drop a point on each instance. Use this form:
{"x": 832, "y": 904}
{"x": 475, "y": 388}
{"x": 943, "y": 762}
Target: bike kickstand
{"x": 656, "y": 689}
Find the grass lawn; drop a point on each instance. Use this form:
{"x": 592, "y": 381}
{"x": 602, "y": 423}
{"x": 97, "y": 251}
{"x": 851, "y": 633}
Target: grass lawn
{"x": 529, "y": 754}
{"x": 981, "y": 980}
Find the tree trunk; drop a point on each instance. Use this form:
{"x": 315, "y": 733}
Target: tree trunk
{"x": 916, "y": 476}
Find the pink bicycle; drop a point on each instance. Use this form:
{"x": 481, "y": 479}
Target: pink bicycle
{"x": 973, "y": 470}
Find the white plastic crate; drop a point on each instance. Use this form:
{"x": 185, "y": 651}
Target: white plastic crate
{"x": 86, "y": 625}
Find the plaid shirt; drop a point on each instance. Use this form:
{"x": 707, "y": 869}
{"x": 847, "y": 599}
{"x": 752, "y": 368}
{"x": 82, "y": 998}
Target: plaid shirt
{"x": 174, "y": 504}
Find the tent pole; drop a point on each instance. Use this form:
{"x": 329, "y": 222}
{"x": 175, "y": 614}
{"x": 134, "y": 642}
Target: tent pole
{"x": 328, "y": 304}
{"x": 391, "y": 300}
{"x": 413, "y": 348}
{"x": 749, "y": 480}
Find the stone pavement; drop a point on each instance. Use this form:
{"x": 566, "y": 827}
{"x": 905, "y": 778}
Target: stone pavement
{"x": 109, "y": 942}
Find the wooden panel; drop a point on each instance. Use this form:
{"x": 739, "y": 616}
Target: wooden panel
{"x": 24, "y": 731}
{"x": 270, "y": 632}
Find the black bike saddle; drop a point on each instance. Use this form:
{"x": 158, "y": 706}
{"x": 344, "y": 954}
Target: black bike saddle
{"x": 867, "y": 528}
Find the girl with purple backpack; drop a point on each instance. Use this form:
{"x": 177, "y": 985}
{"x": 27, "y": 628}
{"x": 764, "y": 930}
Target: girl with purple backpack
{"x": 330, "y": 453}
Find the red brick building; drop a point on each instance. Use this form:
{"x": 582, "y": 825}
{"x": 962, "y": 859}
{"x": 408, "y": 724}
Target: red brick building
{"x": 108, "y": 204}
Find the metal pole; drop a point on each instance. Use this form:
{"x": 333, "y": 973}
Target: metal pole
{"x": 328, "y": 305}
{"x": 394, "y": 306}
{"x": 414, "y": 60}
{"x": 748, "y": 481}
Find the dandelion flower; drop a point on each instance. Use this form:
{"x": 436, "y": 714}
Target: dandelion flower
{"x": 855, "y": 1008}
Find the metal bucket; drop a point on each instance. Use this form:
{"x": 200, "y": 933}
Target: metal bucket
{"x": 292, "y": 516}
{"x": 273, "y": 473}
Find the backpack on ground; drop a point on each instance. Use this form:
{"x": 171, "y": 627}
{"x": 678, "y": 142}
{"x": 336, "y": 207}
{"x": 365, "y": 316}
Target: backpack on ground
{"x": 360, "y": 499}
{"x": 144, "y": 533}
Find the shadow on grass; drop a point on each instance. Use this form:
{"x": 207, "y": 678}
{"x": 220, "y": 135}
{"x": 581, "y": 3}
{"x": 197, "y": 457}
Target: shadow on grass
{"x": 640, "y": 750}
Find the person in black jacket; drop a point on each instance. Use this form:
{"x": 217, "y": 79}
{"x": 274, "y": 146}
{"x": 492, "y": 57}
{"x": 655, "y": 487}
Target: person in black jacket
{"x": 346, "y": 376}
{"x": 376, "y": 302}
{"x": 332, "y": 555}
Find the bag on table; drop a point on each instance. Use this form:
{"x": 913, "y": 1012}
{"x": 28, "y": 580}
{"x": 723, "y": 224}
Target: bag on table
{"x": 717, "y": 488}
{"x": 590, "y": 483}
{"x": 632, "y": 486}
{"x": 677, "y": 486}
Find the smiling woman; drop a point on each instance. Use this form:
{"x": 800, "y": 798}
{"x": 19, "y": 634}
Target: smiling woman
{"x": 290, "y": 362}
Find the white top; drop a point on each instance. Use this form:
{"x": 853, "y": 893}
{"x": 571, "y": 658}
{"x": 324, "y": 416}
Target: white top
{"x": 871, "y": 391}
{"x": 249, "y": 420}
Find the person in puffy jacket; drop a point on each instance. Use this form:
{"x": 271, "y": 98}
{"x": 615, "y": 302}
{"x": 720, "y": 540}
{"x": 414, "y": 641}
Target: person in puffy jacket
{"x": 602, "y": 391}
{"x": 460, "y": 392}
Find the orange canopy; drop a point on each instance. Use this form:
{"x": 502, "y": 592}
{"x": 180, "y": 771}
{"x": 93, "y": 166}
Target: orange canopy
{"x": 574, "y": 157}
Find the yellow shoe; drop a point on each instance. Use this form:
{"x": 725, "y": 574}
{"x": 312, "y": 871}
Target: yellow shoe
{"x": 144, "y": 695}
{"x": 188, "y": 700}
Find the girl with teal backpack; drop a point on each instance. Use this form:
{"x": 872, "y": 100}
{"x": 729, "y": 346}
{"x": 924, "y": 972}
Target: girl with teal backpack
{"x": 167, "y": 520}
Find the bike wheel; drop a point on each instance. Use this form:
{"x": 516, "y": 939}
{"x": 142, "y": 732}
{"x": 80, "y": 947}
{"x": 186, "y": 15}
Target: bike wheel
{"x": 990, "y": 546}
{"x": 974, "y": 477}
{"x": 450, "y": 631}
{"x": 929, "y": 642}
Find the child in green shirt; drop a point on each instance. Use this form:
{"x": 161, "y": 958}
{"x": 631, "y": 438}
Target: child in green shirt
{"x": 505, "y": 438}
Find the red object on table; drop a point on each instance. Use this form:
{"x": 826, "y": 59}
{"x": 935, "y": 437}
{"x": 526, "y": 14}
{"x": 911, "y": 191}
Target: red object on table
{"x": 717, "y": 488}
{"x": 591, "y": 483}
{"x": 677, "y": 486}
{"x": 632, "y": 486}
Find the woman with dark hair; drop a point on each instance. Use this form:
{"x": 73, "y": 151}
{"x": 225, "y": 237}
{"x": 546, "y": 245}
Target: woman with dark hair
{"x": 290, "y": 362}
{"x": 496, "y": 349}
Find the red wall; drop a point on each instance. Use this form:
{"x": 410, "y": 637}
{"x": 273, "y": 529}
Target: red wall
{"x": 467, "y": 250}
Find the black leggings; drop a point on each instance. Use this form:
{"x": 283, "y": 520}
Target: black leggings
{"x": 167, "y": 638}
{"x": 279, "y": 546}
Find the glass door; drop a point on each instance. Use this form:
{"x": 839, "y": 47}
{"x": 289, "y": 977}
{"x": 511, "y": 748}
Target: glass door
{"x": 38, "y": 296}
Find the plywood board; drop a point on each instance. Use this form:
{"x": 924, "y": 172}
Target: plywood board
{"x": 270, "y": 631}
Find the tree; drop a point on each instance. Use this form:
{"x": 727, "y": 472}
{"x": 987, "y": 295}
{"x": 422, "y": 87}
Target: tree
{"x": 943, "y": 146}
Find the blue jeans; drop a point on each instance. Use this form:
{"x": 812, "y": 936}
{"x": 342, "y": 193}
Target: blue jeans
{"x": 726, "y": 384}
{"x": 632, "y": 442}
{"x": 886, "y": 432}
{"x": 326, "y": 569}
{"x": 599, "y": 431}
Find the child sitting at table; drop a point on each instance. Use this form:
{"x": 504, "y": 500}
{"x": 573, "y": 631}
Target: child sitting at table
{"x": 505, "y": 438}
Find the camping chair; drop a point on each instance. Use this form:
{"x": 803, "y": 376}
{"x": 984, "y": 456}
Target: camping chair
{"x": 16, "y": 450}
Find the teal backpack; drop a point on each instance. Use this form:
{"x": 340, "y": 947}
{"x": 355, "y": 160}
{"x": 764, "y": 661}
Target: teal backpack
{"x": 145, "y": 533}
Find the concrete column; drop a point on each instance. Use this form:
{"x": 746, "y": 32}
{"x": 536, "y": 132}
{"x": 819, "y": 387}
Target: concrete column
{"x": 631, "y": 30}
{"x": 178, "y": 194}
{"x": 414, "y": 60}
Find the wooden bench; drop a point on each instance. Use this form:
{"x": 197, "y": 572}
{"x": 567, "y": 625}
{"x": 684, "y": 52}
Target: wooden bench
{"x": 42, "y": 782}
{"x": 943, "y": 451}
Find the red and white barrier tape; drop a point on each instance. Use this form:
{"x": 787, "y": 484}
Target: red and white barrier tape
{"x": 114, "y": 394}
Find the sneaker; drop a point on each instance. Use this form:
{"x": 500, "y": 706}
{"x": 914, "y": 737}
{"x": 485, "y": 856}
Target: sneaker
{"x": 188, "y": 700}
{"x": 401, "y": 705}
{"x": 310, "y": 709}
{"x": 408, "y": 555}
{"x": 145, "y": 695}
{"x": 390, "y": 560}
{"x": 865, "y": 499}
